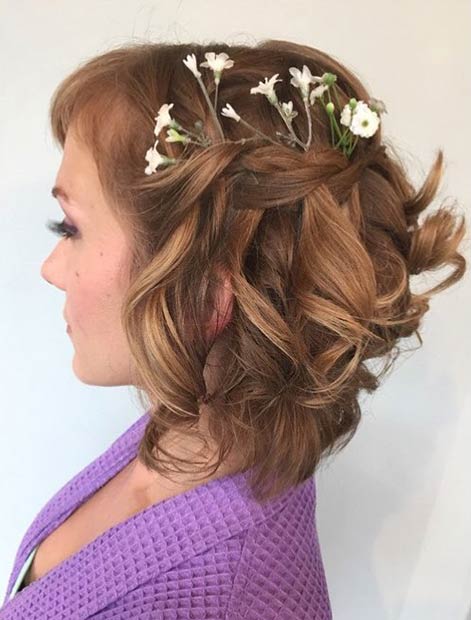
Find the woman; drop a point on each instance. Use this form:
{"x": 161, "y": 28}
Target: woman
{"x": 240, "y": 281}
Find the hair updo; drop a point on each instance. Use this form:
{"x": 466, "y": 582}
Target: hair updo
{"x": 319, "y": 250}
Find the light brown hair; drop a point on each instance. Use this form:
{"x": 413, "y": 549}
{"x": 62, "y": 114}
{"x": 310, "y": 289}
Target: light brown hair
{"x": 320, "y": 251}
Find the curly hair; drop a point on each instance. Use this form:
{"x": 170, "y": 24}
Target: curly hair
{"x": 319, "y": 249}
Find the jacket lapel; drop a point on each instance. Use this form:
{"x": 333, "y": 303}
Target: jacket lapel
{"x": 142, "y": 547}
{"x": 76, "y": 491}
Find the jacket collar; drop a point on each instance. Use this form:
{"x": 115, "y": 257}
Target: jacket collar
{"x": 130, "y": 553}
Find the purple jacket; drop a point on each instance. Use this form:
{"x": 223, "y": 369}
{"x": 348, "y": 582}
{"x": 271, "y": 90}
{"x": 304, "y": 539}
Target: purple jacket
{"x": 210, "y": 552}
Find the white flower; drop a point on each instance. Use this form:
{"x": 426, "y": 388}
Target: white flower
{"x": 303, "y": 80}
{"x": 346, "y": 116}
{"x": 364, "y": 122}
{"x": 317, "y": 92}
{"x": 163, "y": 117}
{"x": 190, "y": 62}
{"x": 267, "y": 89}
{"x": 230, "y": 112}
{"x": 288, "y": 110}
{"x": 154, "y": 158}
{"x": 217, "y": 62}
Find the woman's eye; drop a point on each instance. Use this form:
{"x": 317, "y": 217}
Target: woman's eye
{"x": 61, "y": 228}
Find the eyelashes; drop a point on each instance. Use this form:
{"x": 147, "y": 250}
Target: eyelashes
{"x": 62, "y": 229}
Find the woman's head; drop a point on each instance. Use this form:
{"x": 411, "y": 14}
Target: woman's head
{"x": 91, "y": 266}
{"x": 286, "y": 269}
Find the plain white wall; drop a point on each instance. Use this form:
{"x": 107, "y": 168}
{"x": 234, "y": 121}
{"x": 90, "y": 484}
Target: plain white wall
{"x": 394, "y": 509}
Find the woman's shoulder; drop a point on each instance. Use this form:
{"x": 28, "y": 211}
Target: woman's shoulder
{"x": 231, "y": 558}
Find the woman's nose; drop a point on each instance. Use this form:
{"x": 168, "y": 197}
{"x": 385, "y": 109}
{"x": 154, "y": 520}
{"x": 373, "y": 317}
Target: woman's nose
{"x": 45, "y": 272}
{"x": 48, "y": 273}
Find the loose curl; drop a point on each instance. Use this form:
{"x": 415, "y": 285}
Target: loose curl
{"x": 319, "y": 248}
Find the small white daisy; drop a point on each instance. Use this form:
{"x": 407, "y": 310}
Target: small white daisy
{"x": 346, "y": 116}
{"x": 364, "y": 122}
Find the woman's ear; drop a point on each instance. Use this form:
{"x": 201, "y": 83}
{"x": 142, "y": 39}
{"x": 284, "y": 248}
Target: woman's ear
{"x": 224, "y": 300}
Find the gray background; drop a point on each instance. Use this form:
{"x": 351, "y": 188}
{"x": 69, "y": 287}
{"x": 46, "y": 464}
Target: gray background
{"x": 394, "y": 509}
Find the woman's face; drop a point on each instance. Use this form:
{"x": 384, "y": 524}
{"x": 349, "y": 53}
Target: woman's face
{"x": 91, "y": 268}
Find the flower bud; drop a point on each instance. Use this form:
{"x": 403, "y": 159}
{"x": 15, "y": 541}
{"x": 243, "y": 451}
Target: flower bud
{"x": 377, "y": 105}
{"x": 329, "y": 78}
{"x": 174, "y": 136}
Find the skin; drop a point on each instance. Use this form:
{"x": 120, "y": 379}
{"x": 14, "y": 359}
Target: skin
{"x": 91, "y": 269}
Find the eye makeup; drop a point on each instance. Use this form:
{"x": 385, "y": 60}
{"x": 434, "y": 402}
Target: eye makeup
{"x": 62, "y": 229}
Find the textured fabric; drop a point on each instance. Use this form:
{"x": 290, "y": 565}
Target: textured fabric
{"x": 210, "y": 552}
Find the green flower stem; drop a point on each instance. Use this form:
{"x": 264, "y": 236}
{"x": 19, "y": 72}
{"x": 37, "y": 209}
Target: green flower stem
{"x": 343, "y": 138}
{"x": 216, "y": 96}
{"x": 339, "y": 131}
{"x": 346, "y": 149}
{"x": 321, "y": 98}
{"x": 179, "y": 127}
{"x": 332, "y": 131}
{"x": 213, "y": 111}
{"x": 337, "y": 128}
{"x": 353, "y": 147}
{"x": 336, "y": 97}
